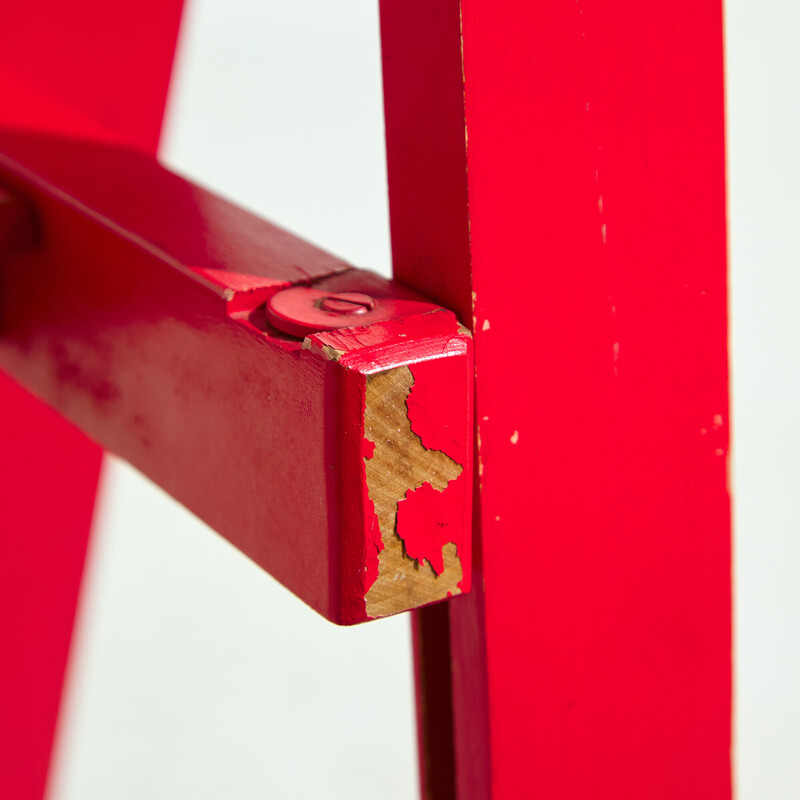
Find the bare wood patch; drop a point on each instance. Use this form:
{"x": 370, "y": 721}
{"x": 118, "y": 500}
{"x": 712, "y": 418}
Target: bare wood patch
{"x": 401, "y": 462}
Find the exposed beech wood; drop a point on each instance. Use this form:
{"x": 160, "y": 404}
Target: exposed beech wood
{"x": 400, "y": 463}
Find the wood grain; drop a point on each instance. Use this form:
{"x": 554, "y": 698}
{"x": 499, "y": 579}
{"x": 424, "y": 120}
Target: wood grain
{"x": 400, "y": 463}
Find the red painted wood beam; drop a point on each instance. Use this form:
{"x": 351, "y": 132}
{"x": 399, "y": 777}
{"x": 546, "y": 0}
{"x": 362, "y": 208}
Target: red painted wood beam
{"x": 333, "y": 449}
{"x": 49, "y": 477}
{"x": 426, "y": 160}
{"x": 86, "y": 68}
{"x": 433, "y": 684}
{"x": 89, "y": 67}
{"x": 593, "y": 658}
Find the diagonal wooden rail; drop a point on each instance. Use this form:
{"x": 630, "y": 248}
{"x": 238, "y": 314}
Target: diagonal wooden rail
{"x": 145, "y": 311}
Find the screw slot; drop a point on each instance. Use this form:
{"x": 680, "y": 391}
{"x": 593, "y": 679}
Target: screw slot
{"x": 347, "y": 303}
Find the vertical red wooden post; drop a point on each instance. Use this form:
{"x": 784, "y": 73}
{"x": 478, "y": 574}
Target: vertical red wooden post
{"x": 592, "y": 659}
{"x": 49, "y": 474}
{"x": 85, "y": 68}
{"x": 426, "y": 155}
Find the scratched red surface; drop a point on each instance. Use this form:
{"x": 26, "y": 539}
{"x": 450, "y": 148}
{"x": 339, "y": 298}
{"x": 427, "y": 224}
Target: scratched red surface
{"x": 592, "y": 658}
{"x": 86, "y": 68}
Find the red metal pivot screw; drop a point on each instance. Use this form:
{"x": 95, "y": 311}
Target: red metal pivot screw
{"x": 302, "y": 310}
{"x": 347, "y": 303}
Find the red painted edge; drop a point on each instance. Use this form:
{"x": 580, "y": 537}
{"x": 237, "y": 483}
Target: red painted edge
{"x": 426, "y": 147}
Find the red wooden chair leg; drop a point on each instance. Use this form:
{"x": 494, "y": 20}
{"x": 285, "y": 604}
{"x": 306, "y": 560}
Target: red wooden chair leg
{"x": 593, "y": 657}
{"x": 84, "y": 68}
{"x": 48, "y": 482}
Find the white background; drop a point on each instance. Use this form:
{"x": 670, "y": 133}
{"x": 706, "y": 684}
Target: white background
{"x": 195, "y": 675}
{"x": 763, "y": 71}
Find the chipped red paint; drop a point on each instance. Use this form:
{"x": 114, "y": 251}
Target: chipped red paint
{"x": 436, "y": 347}
{"x": 145, "y": 355}
{"x": 373, "y": 543}
{"x": 424, "y": 526}
{"x": 433, "y": 334}
{"x": 373, "y": 546}
{"x": 422, "y": 518}
{"x": 429, "y": 409}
